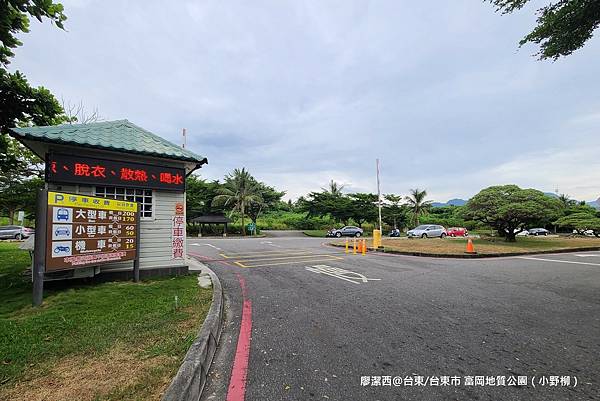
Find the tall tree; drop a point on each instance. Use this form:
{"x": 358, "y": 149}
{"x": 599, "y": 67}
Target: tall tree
{"x": 417, "y": 204}
{"x": 199, "y": 195}
{"x": 509, "y": 209}
{"x": 239, "y": 190}
{"x": 322, "y": 204}
{"x": 21, "y": 104}
{"x": 334, "y": 188}
{"x": 394, "y": 212}
{"x": 20, "y": 195}
{"x": 581, "y": 222}
{"x": 14, "y": 19}
{"x": 363, "y": 208}
{"x": 562, "y": 26}
{"x": 268, "y": 200}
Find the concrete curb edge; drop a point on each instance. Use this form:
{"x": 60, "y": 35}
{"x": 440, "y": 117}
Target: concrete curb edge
{"x": 476, "y": 255}
{"x": 188, "y": 383}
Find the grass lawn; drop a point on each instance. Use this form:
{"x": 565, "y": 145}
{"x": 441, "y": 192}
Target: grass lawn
{"x": 315, "y": 233}
{"x": 496, "y": 246}
{"x": 110, "y": 341}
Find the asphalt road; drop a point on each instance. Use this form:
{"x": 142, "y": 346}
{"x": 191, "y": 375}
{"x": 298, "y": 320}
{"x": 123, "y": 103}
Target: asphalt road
{"x": 310, "y": 332}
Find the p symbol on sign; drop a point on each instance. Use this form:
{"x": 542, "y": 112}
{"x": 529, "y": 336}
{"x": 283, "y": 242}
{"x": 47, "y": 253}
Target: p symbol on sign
{"x": 59, "y": 198}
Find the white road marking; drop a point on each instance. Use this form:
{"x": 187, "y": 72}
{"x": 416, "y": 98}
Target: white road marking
{"x": 342, "y": 274}
{"x": 212, "y": 246}
{"x": 270, "y": 244}
{"x": 589, "y": 255}
{"x": 558, "y": 261}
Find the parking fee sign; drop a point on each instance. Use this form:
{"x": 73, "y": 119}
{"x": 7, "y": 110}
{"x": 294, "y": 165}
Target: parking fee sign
{"x": 178, "y": 236}
{"x": 86, "y": 231}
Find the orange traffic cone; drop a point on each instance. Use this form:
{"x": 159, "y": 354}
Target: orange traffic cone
{"x": 364, "y": 247}
{"x": 470, "y": 247}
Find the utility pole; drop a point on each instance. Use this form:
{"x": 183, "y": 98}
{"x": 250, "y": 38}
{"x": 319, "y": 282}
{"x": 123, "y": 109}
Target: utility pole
{"x": 378, "y": 195}
{"x": 184, "y": 138}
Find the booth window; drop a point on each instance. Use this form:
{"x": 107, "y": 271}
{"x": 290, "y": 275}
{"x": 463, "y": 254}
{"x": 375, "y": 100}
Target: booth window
{"x": 142, "y": 196}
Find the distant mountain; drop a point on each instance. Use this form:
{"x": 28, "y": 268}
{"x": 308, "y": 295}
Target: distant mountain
{"x": 594, "y": 203}
{"x": 462, "y": 202}
{"x": 451, "y": 202}
{"x": 456, "y": 202}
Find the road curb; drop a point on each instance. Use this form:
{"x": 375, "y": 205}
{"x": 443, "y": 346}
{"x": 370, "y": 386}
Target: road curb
{"x": 476, "y": 255}
{"x": 188, "y": 383}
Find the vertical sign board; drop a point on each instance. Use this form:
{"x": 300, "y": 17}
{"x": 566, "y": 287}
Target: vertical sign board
{"x": 87, "y": 231}
{"x": 178, "y": 232}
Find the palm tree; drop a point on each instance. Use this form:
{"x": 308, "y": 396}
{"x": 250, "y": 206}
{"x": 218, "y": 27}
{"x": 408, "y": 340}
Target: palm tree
{"x": 566, "y": 201}
{"x": 239, "y": 190}
{"x": 417, "y": 203}
{"x": 334, "y": 188}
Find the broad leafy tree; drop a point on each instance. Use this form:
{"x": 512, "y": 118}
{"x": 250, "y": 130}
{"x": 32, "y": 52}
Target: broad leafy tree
{"x": 417, "y": 204}
{"x": 509, "y": 209}
{"x": 238, "y": 192}
{"x": 268, "y": 200}
{"x": 20, "y": 103}
{"x": 322, "y": 204}
{"x": 563, "y": 26}
{"x": 363, "y": 208}
{"x": 20, "y": 195}
{"x": 394, "y": 212}
{"x": 199, "y": 196}
{"x": 580, "y": 222}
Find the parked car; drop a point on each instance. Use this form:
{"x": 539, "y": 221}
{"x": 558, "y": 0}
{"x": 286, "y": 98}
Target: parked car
{"x": 427, "y": 231}
{"x": 523, "y": 233}
{"x": 538, "y": 231}
{"x": 16, "y": 232}
{"x": 347, "y": 231}
{"x": 395, "y": 233}
{"x": 457, "y": 232}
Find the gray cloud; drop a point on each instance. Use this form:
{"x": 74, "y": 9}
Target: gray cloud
{"x": 303, "y": 92}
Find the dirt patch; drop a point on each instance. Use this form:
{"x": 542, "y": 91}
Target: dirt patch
{"x": 88, "y": 378}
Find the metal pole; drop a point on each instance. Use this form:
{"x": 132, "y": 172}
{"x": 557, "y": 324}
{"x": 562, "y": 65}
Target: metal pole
{"x": 39, "y": 253}
{"x": 136, "y": 261}
{"x": 378, "y": 195}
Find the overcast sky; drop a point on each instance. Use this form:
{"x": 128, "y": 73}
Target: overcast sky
{"x": 301, "y": 92}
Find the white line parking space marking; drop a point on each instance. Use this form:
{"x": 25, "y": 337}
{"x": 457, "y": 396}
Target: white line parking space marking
{"x": 212, "y": 246}
{"x": 589, "y": 255}
{"x": 558, "y": 261}
{"x": 342, "y": 274}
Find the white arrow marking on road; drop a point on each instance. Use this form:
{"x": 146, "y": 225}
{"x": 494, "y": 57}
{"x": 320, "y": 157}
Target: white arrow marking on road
{"x": 591, "y": 255}
{"x": 342, "y": 274}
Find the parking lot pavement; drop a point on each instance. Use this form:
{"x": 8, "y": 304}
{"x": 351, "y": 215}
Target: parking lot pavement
{"x": 320, "y": 324}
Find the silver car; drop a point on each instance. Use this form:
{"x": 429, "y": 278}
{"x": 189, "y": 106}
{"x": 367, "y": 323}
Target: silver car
{"x": 427, "y": 231}
{"x": 15, "y": 232}
{"x": 348, "y": 231}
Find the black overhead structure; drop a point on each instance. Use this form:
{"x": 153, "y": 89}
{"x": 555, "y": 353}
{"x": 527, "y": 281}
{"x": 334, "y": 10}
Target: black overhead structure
{"x": 211, "y": 219}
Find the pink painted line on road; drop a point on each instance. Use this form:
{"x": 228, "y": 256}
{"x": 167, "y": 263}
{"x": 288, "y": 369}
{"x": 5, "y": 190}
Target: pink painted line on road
{"x": 208, "y": 259}
{"x": 239, "y": 373}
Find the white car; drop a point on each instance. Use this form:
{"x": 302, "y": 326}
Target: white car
{"x": 523, "y": 233}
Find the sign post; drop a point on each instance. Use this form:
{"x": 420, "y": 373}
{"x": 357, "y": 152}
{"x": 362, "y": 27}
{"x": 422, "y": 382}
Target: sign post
{"x": 75, "y": 231}
{"x": 88, "y": 231}
{"x": 39, "y": 255}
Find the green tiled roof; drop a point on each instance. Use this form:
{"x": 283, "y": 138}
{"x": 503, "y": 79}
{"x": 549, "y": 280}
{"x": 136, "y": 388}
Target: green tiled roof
{"x": 119, "y": 136}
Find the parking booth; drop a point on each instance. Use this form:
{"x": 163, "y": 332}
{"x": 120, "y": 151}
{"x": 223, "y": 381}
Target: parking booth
{"x": 114, "y": 200}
